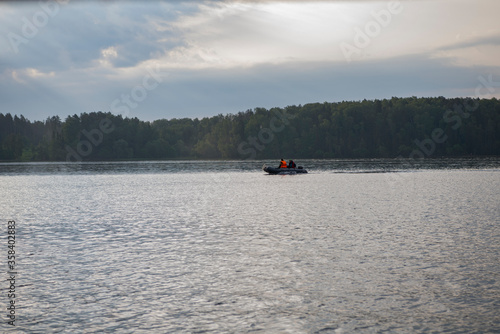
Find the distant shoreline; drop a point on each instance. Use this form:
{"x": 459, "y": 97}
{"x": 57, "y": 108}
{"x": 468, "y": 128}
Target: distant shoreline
{"x": 408, "y": 128}
{"x": 396, "y": 159}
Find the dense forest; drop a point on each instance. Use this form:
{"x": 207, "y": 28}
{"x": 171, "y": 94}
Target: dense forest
{"x": 397, "y": 127}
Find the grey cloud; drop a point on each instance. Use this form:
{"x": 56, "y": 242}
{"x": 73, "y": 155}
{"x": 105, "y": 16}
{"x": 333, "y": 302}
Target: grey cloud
{"x": 210, "y": 92}
{"x": 488, "y": 40}
{"x": 71, "y": 42}
{"x": 187, "y": 93}
{"x": 75, "y": 36}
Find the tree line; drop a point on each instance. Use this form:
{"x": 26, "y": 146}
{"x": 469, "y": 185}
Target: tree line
{"x": 397, "y": 127}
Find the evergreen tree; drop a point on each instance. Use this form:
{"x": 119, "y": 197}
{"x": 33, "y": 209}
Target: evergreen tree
{"x": 397, "y": 127}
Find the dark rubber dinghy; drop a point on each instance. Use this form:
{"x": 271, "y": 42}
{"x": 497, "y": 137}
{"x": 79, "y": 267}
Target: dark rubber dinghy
{"x": 283, "y": 171}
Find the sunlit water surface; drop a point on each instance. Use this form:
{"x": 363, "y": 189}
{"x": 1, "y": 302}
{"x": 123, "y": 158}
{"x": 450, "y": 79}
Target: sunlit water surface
{"x": 353, "y": 246}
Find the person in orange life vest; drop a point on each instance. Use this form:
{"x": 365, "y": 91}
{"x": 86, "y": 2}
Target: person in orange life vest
{"x": 291, "y": 164}
{"x": 282, "y": 164}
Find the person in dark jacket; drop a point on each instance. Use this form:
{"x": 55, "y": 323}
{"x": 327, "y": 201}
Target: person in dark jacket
{"x": 291, "y": 164}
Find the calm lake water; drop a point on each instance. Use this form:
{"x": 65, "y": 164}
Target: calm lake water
{"x": 361, "y": 246}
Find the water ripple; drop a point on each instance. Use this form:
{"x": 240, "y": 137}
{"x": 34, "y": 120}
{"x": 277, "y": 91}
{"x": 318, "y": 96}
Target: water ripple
{"x": 242, "y": 252}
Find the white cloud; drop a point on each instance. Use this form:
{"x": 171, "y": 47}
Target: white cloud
{"x": 108, "y": 55}
{"x": 243, "y": 34}
{"x": 233, "y": 34}
{"x": 427, "y": 27}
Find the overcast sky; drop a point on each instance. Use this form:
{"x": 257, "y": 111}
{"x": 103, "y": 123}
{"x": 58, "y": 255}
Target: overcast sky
{"x": 159, "y": 59}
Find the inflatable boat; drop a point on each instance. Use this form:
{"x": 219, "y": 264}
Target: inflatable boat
{"x": 283, "y": 171}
